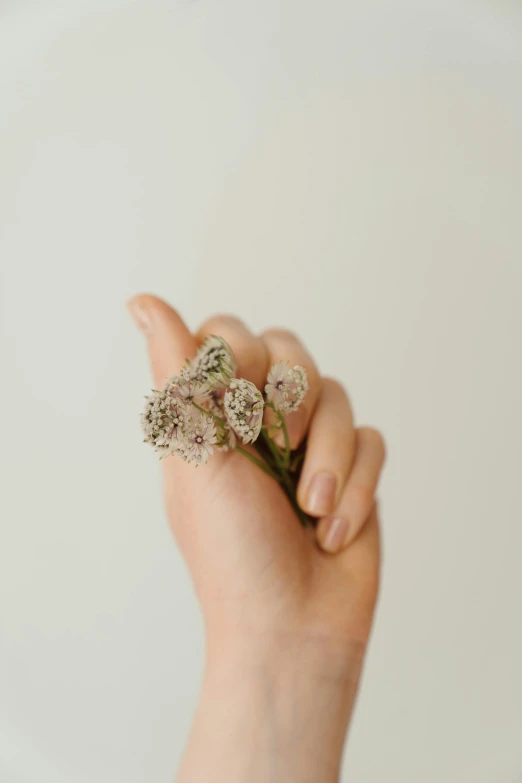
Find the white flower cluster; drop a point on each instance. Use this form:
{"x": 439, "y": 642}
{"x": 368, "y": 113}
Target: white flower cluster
{"x": 171, "y": 426}
{"x": 180, "y": 418}
{"x": 215, "y": 363}
{"x": 197, "y": 439}
{"x": 204, "y": 406}
{"x": 286, "y": 387}
{"x": 244, "y": 407}
{"x": 162, "y": 420}
{"x": 187, "y": 389}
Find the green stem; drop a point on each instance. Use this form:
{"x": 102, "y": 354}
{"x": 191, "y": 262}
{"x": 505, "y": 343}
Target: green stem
{"x": 258, "y": 462}
{"x": 281, "y": 460}
{"x": 274, "y": 450}
{"x": 281, "y": 425}
{"x": 287, "y": 440}
{"x": 285, "y": 478}
{"x": 288, "y": 483}
{"x": 280, "y": 463}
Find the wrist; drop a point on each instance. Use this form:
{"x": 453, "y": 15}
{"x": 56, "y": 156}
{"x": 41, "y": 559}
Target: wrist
{"x": 284, "y": 702}
{"x": 320, "y": 658}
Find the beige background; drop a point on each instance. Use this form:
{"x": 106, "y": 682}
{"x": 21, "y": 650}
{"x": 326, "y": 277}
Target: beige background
{"x": 351, "y": 170}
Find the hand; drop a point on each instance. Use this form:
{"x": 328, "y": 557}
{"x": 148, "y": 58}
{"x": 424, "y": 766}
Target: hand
{"x": 275, "y": 596}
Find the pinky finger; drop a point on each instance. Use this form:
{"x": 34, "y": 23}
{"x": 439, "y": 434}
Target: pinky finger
{"x": 339, "y": 529}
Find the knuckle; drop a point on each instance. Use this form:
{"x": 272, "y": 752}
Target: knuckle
{"x": 280, "y": 335}
{"x": 222, "y": 322}
{"x": 336, "y": 403}
{"x": 335, "y": 387}
{"x": 333, "y": 383}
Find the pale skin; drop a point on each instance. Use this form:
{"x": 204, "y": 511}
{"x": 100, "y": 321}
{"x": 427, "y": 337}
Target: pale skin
{"x": 287, "y": 610}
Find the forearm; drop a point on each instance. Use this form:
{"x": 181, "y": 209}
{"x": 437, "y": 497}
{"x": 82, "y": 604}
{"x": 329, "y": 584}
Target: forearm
{"x": 275, "y": 712}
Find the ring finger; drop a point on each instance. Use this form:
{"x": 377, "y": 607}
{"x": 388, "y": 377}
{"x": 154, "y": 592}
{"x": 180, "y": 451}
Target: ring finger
{"x": 329, "y": 451}
{"x": 336, "y": 531}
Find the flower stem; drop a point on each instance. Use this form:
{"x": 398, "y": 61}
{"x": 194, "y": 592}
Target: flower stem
{"x": 258, "y": 462}
{"x": 273, "y": 449}
{"x": 287, "y": 481}
{"x": 281, "y": 424}
{"x": 287, "y": 440}
{"x": 281, "y": 461}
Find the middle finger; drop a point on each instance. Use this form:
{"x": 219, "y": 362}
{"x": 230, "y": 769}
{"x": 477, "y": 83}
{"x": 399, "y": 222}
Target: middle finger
{"x": 282, "y": 345}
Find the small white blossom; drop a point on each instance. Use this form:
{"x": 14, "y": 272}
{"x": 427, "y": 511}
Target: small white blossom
{"x": 197, "y": 439}
{"x": 187, "y": 389}
{"x": 286, "y": 386}
{"x": 205, "y": 408}
{"x": 214, "y": 364}
{"x": 244, "y": 409}
{"x": 163, "y": 421}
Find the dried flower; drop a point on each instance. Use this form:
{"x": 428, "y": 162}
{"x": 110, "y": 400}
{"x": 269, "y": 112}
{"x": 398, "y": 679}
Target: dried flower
{"x": 214, "y": 364}
{"x": 197, "y": 439}
{"x": 244, "y": 409}
{"x": 286, "y": 387}
{"x": 187, "y": 389}
{"x": 205, "y": 408}
{"x": 163, "y": 421}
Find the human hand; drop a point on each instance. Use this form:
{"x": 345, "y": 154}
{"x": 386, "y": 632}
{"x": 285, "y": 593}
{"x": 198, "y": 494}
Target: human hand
{"x": 267, "y": 586}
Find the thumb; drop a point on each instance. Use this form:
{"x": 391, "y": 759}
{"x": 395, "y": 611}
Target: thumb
{"x": 169, "y": 341}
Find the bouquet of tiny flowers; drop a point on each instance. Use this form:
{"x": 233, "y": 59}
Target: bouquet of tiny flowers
{"x": 205, "y": 407}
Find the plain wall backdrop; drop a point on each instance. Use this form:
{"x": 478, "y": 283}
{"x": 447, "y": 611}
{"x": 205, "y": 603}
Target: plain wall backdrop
{"x": 350, "y": 170}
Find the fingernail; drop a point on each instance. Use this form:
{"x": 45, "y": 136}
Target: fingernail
{"x": 321, "y": 493}
{"x": 141, "y": 318}
{"x": 332, "y": 533}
